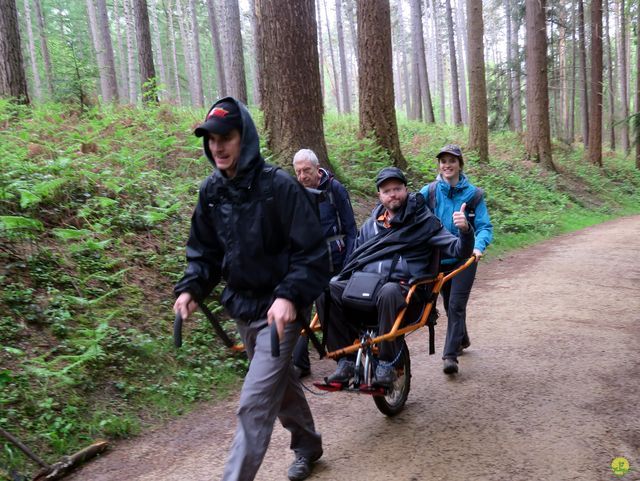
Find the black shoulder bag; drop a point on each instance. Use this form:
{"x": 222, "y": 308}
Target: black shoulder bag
{"x": 362, "y": 288}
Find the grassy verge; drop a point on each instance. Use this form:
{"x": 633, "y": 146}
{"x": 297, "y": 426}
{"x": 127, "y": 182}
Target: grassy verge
{"x": 94, "y": 212}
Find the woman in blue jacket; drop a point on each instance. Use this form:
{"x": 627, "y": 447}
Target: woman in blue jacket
{"x": 445, "y": 196}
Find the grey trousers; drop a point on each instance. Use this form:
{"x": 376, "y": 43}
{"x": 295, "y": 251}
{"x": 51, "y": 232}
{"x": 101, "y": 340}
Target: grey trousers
{"x": 270, "y": 390}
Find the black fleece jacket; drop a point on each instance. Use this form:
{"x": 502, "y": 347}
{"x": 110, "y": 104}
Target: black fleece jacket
{"x": 263, "y": 248}
{"x": 414, "y": 233}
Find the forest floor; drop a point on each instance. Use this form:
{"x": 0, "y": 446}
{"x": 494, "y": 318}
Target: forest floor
{"x": 548, "y": 389}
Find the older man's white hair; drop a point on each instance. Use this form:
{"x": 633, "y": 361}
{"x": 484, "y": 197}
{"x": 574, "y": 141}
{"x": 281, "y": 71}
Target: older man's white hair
{"x": 306, "y": 154}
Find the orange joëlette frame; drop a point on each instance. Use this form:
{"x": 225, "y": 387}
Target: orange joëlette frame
{"x": 396, "y": 331}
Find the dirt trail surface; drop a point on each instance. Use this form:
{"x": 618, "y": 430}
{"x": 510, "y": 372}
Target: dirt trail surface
{"x": 548, "y": 390}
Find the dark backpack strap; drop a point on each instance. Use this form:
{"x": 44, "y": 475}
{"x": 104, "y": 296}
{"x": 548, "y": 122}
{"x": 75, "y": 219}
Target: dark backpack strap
{"x": 472, "y": 204}
{"x": 431, "y": 195}
{"x": 332, "y": 201}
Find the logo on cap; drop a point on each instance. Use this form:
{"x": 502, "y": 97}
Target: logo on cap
{"x": 218, "y": 112}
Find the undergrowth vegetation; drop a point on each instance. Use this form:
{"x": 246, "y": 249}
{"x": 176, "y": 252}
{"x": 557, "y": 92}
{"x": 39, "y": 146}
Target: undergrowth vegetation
{"x": 94, "y": 213}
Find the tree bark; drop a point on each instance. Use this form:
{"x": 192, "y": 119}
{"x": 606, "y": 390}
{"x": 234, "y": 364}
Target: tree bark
{"x": 334, "y": 69}
{"x": 217, "y": 48}
{"x": 439, "y": 65}
{"x": 611, "y": 85}
{"x": 455, "y": 90}
{"x": 293, "y": 109}
{"x": 93, "y": 36}
{"x": 320, "y": 49}
{"x": 417, "y": 35}
{"x": 595, "y": 102}
{"x": 145, "y": 53}
{"x": 377, "y": 112}
{"x": 624, "y": 79}
{"x": 478, "y": 126}
{"x": 234, "y": 56}
{"x": 257, "y": 99}
{"x": 538, "y": 137}
{"x": 174, "y": 52}
{"x": 583, "y": 76}
{"x": 197, "y": 63}
{"x": 37, "y": 86}
{"x": 124, "y": 85}
{"x": 131, "y": 51}
{"x": 157, "y": 47}
{"x": 404, "y": 73}
{"x": 13, "y": 81}
{"x": 105, "y": 54}
{"x": 637, "y": 115}
{"x": 571, "y": 126}
{"x": 44, "y": 48}
{"x": 460, "y": 36}
{"x": 344, "y": 74}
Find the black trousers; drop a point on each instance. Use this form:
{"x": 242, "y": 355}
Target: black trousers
{"x": 344, "y": 325}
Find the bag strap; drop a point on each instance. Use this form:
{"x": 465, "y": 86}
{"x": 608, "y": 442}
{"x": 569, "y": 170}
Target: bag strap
{"x": 394, "y": 262}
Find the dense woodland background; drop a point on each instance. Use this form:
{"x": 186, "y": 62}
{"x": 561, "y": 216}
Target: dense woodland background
{"x": 563, "y": 69}
{"x": 99, "y": 168}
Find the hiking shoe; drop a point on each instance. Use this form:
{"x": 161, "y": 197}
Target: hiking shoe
{"x": 450, "y": 366}
{"x": 346, "y": 370}
{"x": 301, "y": 468}
{"x": 385, "y": 375}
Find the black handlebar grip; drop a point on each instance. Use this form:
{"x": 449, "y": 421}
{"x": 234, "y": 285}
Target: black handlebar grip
{"x": 275, "y": 340}
{"x": 177, "y": 331}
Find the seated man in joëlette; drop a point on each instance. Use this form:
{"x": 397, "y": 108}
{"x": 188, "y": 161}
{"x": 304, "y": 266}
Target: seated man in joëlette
{"x": 396, "y": 242}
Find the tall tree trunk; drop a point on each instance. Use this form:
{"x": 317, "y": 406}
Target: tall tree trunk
{"x": 124, "y": 84}
{"x": 637, "y": 115}
{"x": 344, "y": 74}
{"x": 334, "y": 69}
{"x": 563, "y": 104}
{"x": 583, "y": 76}
{"x": 131, "y": 52}
{"x": 611, "y": 85}
{"x": 538, "y": 138}
{"x": 37, "y": 87}
{"x": 145, "y": 54}
{"x": 217, "y": 48}
{"x": 174, "y": 52}
{"x": 352, "y": 27}
{"x": 478, "y": 126}
{"x": 417, "y": 35}
{"x": 377, "y": 113}
{"x": 455, "y": 90}
{"x": 234, "y": 55}
{"x": 197, "y": 63}
{"x": 157, "y": 47}
{"x": 517, "y": 86}
{"x": 402, "y": 42}
{"x": 595, "y": 102}
{"x": 93, "y": 36}
{"x": 13, "y": 81}
{"x": 293, "y": 108}
{"x": 571, "y": 126}
{"x": 460, "y": 36}
{"x": 257, "y": 99}
{"x": 44, "y": 48}
{"x": 105, "y": 54}
{"x": 510, "y": 62}
{"x": 320, "y": 49}
{"x": 439, "y": 66}
{"x": 187, "y": 51}
{"x": 624, "y": 79}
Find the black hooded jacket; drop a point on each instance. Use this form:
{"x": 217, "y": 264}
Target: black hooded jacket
{"x": 263, "y": 244}
{"x": 414, "y": 233}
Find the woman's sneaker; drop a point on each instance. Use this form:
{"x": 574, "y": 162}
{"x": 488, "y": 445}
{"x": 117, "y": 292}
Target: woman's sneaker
{"x": 450, "y": 366}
